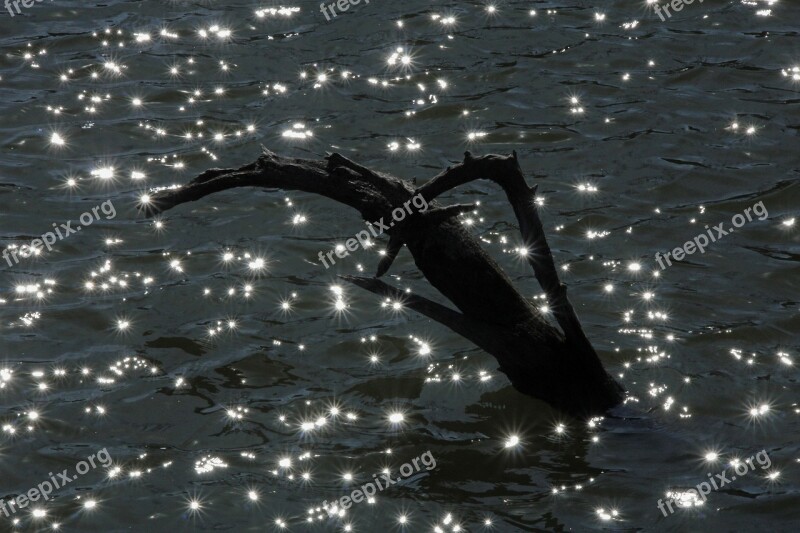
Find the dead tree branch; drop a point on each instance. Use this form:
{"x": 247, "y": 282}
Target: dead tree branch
{"x": 559, "y": 367}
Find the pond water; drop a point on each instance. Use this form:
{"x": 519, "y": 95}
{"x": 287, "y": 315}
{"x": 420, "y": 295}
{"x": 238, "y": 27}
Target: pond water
{"x": 222, "y": 379}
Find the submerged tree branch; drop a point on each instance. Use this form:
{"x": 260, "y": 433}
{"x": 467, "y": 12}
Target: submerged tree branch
{"x": 560, "y": 367}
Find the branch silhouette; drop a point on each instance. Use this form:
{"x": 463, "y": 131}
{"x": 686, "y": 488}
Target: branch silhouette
{"x": 557, "y": 365}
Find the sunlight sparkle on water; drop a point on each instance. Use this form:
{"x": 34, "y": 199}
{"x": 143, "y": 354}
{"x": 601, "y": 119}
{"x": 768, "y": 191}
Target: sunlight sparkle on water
{"x": 105, "y": 173}
{"x": 606, "y": 515}
{"x": 57, "y": 139}
{"x": 257, "y": 264}
{"x": 685, "y": 498}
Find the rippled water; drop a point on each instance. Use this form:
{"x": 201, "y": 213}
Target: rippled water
{"x": 236, "y": 397}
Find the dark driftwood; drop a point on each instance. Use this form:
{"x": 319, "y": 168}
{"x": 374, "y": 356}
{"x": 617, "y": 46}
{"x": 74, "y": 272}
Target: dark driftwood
{"x": 559, "y": 367}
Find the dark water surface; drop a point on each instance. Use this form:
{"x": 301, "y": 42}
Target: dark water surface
{"x": 141, "y": 339}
